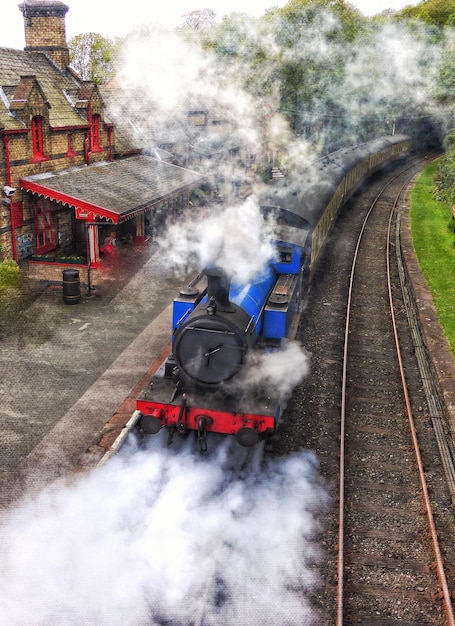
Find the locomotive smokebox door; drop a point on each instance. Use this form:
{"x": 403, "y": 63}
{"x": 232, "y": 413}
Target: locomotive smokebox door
{"x": 208, "y": 350}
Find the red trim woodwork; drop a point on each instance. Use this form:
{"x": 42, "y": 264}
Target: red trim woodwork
{"x": 84, "y": 210}
{"x": 94, "y": 121}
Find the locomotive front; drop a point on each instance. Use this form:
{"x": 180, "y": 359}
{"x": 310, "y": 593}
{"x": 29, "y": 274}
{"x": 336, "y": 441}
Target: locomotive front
{"x": 211, "y": 344}
{"x": 215, "y": 325}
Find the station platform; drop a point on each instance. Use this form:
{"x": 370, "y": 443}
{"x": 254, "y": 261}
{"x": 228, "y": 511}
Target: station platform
{"x": 66, "y": 369}
{"x": 71, "y": 373}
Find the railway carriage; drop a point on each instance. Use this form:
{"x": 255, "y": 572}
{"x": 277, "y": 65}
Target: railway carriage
{"x": 218, "y": 324}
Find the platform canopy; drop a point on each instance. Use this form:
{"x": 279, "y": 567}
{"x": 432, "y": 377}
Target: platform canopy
{"x": 114, "y": 191}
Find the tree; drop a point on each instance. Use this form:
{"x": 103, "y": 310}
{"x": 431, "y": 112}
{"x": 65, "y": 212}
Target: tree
{"x": 445, "y": 87}
{"x": 93, "y": 56}
{"x": 308, "y": 12}
{"x": 314, "y": 36}
{"x": 444, "y": 189}
{"x": 434, "y": 12}
{"x": 246, "y": 44}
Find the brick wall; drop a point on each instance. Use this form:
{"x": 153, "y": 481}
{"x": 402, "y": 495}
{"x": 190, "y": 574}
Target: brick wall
{"x": 45, "y": 31}
{"x": 53, "y": 272}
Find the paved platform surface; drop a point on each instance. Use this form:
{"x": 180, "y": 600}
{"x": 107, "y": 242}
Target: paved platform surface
{"x": 66, "y": 369}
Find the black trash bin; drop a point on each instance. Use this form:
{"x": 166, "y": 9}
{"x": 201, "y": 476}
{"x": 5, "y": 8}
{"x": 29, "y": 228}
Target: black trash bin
{"x": 71, "y": 287}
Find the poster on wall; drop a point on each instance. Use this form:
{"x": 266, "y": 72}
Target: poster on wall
{"x": 24, "y": 245}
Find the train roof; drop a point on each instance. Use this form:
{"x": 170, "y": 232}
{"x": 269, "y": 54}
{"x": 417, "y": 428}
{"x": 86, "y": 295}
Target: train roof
{"x": 393, "y": 139}
{"x": 289, "y": 234}
{"x": 301, "y": 199}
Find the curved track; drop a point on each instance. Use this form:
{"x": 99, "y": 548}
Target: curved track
{"x": 386, "y": 572}
{"x": 386, "y": 546}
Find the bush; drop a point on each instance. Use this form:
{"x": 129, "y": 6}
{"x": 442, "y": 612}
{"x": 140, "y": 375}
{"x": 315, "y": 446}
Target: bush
{"x": 11, "y": 294}
{"x": 444, "y": 185}
{"x": 10, "y": 274}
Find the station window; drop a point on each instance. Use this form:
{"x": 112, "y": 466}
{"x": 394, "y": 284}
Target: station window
{"x": 37, "y": 139}
{"x": 70, "y": 152}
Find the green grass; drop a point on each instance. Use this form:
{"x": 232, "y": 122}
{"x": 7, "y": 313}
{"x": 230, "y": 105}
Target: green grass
{"x": 434, "y": 242}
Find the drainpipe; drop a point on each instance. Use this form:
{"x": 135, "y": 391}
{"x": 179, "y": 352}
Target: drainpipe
{"x": 13, "y": 227}
{"x": 87, "y": 149}
{"x": 110, "y": 133}
{"x": 9, "y": 193}
{"x": 7, "y": 158}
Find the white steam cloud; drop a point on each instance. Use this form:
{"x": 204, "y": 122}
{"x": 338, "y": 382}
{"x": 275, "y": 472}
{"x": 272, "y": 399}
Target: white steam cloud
{"x": 353, "y": 90}
{"x": 393, "y": 72}
{"x": 156, "y": 537}
{"x": 237, "y": 239}
{"x": 163, "y": 76}
{"x": 278, "y": 371}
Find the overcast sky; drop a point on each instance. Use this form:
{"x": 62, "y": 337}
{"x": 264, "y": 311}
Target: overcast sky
{"x": 116, "y": 19}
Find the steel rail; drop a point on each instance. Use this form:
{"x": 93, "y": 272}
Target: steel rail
{"x": 340, "y": 560}
{"x": 448, "y": 608}
{"x": 341, "y": 506}
{"x": 433, "y": 393}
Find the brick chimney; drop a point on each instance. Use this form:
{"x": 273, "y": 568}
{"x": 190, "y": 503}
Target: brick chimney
{"x": 44, "y": 23}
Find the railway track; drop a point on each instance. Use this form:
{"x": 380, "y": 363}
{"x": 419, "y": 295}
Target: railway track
{"x": 383, "y": 563}
{"x": 389, "y": 562}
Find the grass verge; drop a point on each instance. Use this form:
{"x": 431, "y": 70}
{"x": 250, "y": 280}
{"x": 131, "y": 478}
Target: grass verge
{"x": 434, "y": 241}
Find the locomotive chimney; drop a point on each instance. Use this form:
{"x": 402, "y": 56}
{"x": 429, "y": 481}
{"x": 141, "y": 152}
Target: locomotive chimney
{"x": 218, "y": 285}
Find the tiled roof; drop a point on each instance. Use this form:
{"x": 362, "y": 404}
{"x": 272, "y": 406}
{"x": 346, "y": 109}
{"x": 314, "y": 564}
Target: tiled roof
{"x": 54, "y": 82}
{"x": 121, "y": 188}
{"x": 22, "y": 91}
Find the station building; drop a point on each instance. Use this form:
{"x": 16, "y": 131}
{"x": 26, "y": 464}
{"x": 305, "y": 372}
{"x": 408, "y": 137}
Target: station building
{"x": 64, "y": 188}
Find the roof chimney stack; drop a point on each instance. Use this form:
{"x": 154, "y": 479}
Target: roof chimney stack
{"x": 44, "y": 23}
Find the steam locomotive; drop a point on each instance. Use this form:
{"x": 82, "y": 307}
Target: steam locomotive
{"x": 218, "y": 324}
